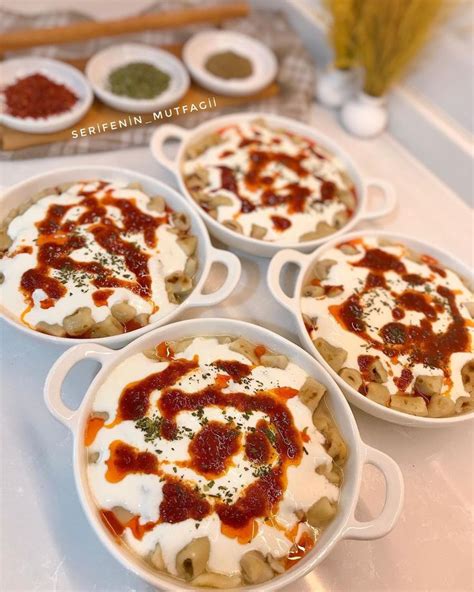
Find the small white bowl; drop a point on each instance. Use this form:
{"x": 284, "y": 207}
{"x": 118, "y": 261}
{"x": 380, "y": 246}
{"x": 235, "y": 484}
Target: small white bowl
{"x": 207, "y": 254}
{"x": 103, "y": 63}
{"x": 293, "y": 306}
{"x": 203, "y": 45}
{"x": 344, "y": 526}
{"x": 167, "y": 132}
{"x": 59, "y": 72}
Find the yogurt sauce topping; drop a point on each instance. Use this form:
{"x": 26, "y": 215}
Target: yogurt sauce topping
{"x": 411, "y": 314}
{"x": 277, "y": 180}
{"x": 92, "y": 245}
{"x": 206, "y": 444}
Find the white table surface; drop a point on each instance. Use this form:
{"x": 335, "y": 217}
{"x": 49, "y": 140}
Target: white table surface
{"x": 47, "y": 545}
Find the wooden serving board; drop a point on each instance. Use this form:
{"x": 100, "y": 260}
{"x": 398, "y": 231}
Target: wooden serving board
{"x": 99, "y": 113}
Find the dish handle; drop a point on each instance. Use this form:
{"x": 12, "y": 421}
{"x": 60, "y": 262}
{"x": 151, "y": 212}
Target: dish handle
{"x": 278, "y": 262}
{"x": 163, "y": 134}
{"x": 389, "y": 199}
{"x": 394, "y": 491}
{"x": 233, "y": 266}
{"x": 60, "y": 369}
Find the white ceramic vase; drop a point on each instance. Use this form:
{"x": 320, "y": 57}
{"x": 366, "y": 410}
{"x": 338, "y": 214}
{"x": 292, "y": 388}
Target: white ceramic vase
{"x": 334, "y": 87}
{"x": 365, "y": 116}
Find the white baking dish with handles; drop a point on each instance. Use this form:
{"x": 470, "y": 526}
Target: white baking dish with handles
{"x": 344, "y": 526}
{"x": 167, "y": 133}
{"x": 207, "y": 254}
{"x": 292, "y": 304}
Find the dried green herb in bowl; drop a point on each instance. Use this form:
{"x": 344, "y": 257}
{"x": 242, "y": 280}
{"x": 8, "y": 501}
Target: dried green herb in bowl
{"x": 138, "y": 80}
{"x": 228, "y": 64}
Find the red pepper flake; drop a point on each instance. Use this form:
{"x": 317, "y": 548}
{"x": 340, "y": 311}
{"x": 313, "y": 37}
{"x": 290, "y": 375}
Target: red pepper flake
{"x": 37, "y": 96}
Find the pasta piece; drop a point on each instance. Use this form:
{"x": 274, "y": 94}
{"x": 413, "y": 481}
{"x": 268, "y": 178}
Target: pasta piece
{"x": 349, "y": 249}
{"x": 157, "y": 204}
{"x": 428, "y": 385}
{"x": 310, "y": 291}
{"x": 378, "y": 393}
{"x": 463, "y": 404}
{"x": 178, "y": 285}
{"x": 106, "y": 328}
{"x": 203, "y": 144}
{"x": 413, "y": 255}
{"x": 470, "y": 308}
{"x": 322, "y": 267}
{"x": 340, "y": 219}
{"x": 135, "y": 185}
{"x": 176, "y": 347}
{"x": 192, "y": 560}
{"x": 255, "y": 570}
{"x": 142, "y": 319}
{"x": 274, "y": 361}
{"x": 190, "y": 267}
{"x": 334, "y": 356}
{"x": 202, "y": 173}
{"x": 188, "y": 244}
{"x": 244, "y": 347}
{"x": 222, "y": 339}
{"x": 55, "y": 329}
{"x": 156, "y": 559}
{"x": 63, "y": 187}
{"x": 324, "y": 229}
{"x": 5, "y": 240}
{"x": 348, "y": 199}
{"x": 123, "y": 312}
{"x": 308, "y": 236}
{"x": 411, "y": 405}
{"x": 181, "y": 345}
{"x": 93, "y": 457}
{"x": 180, "y": 221}
{"x": 321, "y": 512}
{"x": 100, "y": 415}
{"x": 335, "y": 291}
{"x": 215, "y": 580}
{"x": 352, "y": 377}
{"x": 385, "y": 242}
{"x": 309, "y": 322}
{"x": 467, "y": 374}
{"x": 199, "y": 195}
{"x": 233, "y": 225}
{"x": 377, "y": 371}
{"x": 275, "y": 564}
{"x": 153, "y": 353}
{"x": 258, "y": 231}
{"x": 220, "y": 200}
{"x": 122, "y": 515}
{"x": 311, "y": 393}
{"x": 79, "y": 322}
{"x": 334, "y": 444}
{"x": 260, "y": 122}
{"x": 440, "y": 406}
{"x": 332, "y": 473}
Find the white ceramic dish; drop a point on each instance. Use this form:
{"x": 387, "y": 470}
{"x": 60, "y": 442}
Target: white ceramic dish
{"x": 104, "y": 62}
{"x": 168, "y": 132}
{"x": 203, "y": 45}
{"x": 12, "y": 70}
{"x": 292, "y": 305}
{"x": 207, "y": 254}
{"x": 344, "y": 525}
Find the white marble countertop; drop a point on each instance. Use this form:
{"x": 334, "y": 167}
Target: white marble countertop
{"x": 47, "y": 544}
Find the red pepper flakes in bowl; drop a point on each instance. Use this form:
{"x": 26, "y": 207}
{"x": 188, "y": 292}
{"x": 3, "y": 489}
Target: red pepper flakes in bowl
{"x": 37, "y": 96}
